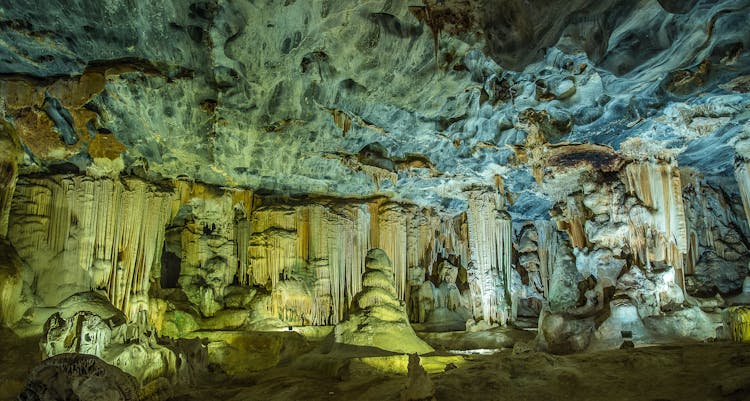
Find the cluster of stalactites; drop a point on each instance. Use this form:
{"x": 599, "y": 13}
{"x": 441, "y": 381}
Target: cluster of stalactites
{"x": 491, "y": 251}
{"x": 10, "y": 150}
{"x": 378, "y": 175}
{"x": 392, "y": 238}
{"x": 113, "y": 229}
{"x": 8, "y": 177}
{"x": 413, "y": 237}
{"x": 275, "y": 243}
{"x": 452, "y": 239}
{"x": 657, "y": 229}
{"x": 290, "y": 246}
{"x": 326, "y": 246}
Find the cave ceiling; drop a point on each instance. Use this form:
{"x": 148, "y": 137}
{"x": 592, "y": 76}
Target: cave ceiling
{"x": 334, "y": 97}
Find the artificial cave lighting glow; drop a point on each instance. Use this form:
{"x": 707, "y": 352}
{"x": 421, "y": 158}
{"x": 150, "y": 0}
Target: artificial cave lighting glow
{"x": 478, "y": 351}
{"x": 374, "y": 200}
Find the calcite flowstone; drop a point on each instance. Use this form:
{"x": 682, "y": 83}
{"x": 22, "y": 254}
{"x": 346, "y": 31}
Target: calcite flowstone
{"x": 378, "y": 318}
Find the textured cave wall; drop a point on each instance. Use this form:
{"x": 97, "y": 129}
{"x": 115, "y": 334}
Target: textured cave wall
{"x": 227, "y": 165}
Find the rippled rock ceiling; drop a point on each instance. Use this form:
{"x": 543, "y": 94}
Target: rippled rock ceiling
{"x": 285, "y": 97}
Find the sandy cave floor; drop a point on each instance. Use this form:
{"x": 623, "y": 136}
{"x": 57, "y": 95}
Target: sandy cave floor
{"x": 686, "y": 371}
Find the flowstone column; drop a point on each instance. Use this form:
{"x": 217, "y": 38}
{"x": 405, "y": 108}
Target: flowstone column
{"x": 491, "y": 247}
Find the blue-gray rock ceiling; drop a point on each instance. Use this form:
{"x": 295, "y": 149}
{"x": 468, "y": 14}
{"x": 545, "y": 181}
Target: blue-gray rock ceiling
{"x": 244, "y": 93}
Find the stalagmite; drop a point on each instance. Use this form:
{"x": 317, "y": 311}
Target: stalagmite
{"x": 491, "y": 249}
{"x": 377, "y": 318}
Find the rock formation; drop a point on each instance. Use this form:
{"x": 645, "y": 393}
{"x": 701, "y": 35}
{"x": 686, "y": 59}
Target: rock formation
{"x": 131, "y": 347}
{"x": 419, "y": 387}
{"x": 79, "y": 376}
{"x": 378, "y": 319}
{"x": 219, "y": 170}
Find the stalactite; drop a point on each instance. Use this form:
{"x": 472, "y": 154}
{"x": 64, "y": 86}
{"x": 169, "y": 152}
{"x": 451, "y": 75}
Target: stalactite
{"x": 574, "y": 222}
{"x": 657, "y": 230}
{"x": 491, "y": 250}
{"x": 548, "y": 243}
{"x": 742, "y": 174}
{"x": 243, "y": 202}
{"x": 378, "y": 175}
{"x": 242, "y": 239}
{"x": 699, "y": 224}
{"x": 112, "y": 230}
{"x": 414, "y": 247}
{"x": 10, "y": 150}
{"x": 393, "y": 240}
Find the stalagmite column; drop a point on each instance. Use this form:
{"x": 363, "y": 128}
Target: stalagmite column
{"x": 491, "y": 250}
{"x": 210, "y": 253}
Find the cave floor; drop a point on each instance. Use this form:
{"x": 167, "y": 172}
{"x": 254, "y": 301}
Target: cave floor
{"x": 685, "y": 371}
{"x": 695, "y": 371}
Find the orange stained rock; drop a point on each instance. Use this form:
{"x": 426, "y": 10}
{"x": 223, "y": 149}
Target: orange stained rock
{"x": 20, "y": 93}
{"x": 105, "y": 146}
{"x": 36, "y": 131}
{"x": 75, "y": 92}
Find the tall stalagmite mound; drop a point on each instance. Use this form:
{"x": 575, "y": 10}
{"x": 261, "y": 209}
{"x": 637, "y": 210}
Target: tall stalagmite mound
{"x": 378, "y": 318}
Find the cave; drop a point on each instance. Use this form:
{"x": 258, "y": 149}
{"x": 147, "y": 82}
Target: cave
{"x": 374, "y": 200}
{"x": 170, "y": 269}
